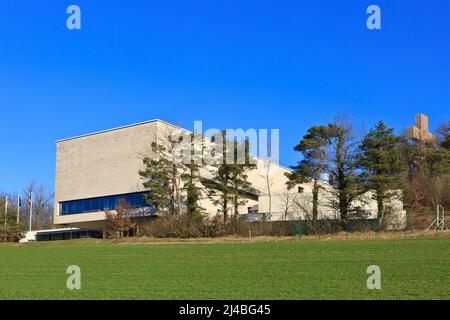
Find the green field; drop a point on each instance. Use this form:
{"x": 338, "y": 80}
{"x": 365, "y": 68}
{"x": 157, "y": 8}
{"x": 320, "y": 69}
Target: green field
{"x": 411, "y": 268}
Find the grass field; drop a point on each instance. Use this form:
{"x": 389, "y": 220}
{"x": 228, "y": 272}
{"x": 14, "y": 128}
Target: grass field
{"x": 411, "y": 268}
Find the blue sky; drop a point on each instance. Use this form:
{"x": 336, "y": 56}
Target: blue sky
{"x": 237, "y": 64}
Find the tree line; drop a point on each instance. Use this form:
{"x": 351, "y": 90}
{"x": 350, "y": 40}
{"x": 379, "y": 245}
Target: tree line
{"x": 380, "y": 162}
{"x": 15, "y": 216}
{"x": 341, "y": 167}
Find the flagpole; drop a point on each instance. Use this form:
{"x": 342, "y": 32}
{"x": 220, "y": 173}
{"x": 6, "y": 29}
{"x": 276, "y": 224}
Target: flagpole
{"x": 6, "y": 208}
{"x": 18, "y": 210}
{"x": 31, "y": 207}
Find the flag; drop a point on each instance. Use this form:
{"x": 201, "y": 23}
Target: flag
{"x": 30, "y": 200}
{"x": 19, "y": 202}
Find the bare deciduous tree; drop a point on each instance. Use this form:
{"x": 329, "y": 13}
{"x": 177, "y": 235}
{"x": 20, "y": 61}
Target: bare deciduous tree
{"x": 42, "y": 200}
{"x": 269, "y": 181}
{"x": 287, "y": 201}
{"x": 120, "y": 221}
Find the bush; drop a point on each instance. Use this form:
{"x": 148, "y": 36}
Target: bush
{"x": 10, "y": 234}
{"x": 186, "y": 226}
{"x": 169, "y": 226}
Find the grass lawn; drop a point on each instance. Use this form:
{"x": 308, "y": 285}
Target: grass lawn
{"x": 411, "y": 268}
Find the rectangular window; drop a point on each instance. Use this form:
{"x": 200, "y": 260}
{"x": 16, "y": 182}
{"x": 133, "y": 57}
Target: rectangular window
{"x": 95, "y": 205}
{"x": 64, "y": 208}
{"x": 111, "y": 202}
{"x": 78, "y": 206}
{"x": 71, "y": 207}
{"x": 135, "y": 200}
{"x": 86, "y": 205}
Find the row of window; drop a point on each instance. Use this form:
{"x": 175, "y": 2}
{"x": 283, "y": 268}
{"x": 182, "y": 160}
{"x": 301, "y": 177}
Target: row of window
{"x": 134, "y": 200}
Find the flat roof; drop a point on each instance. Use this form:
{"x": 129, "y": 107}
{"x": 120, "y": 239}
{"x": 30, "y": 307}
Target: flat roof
{"x": 149, "y": 121}
{"x": 118, "y": 128}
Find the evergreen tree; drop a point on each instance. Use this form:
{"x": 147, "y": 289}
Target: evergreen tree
{"x": 171, "y": 174}
{"x": 229, "y": 178}
{"x": 438, "y": 157}
{"x": 380, "y": 163}
{"x": 192, "y": 178}
{"x": 162, "y": 178}
{"x": 314, "y": 148}
{"x": 9, "y": 231}
{"x": 219, "y": 189}
{"x": 239, "y": 178}
{"x": 329, "y": 150}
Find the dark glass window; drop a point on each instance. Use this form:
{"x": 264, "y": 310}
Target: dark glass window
{"x": 112, "y": 202}
{"x": 78, "y": 206}
{"x": 95, "y": 204}
{"x": 71, "y": 207}
{"x": 86, "y": 205}
{"x": 101, "y": 203}
{"x": 134, "y": 200}
{"x": 64, "y": 207}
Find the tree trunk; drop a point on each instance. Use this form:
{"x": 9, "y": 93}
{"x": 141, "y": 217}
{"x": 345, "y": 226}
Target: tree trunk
{"x": 270, "y": 205}
{"x": 341, "y": 184}
{"x": 225, "y": 207}
{"x": 315, "y": 209}
{"x": 269, "y": 191}
{"x": 343, "y": 220}
{"x": 343, "y": 209}
{"x": 175, "y": 192}
{"x": 380, "y": 207}
{"x": 236, "y": 206}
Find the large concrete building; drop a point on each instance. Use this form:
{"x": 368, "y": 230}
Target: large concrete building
{"x": 94, "y": 170}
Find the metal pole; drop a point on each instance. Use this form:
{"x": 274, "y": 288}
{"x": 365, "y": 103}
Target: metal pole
{"x": 18, "y": 210}
{"x": 443, "y": 218}
{"x": 6, "y": 208}
{"x": 31, "y": 208}
{"x": 438, "y": 216}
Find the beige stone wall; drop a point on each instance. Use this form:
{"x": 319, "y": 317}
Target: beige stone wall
{"x": 255, "y": 176}
{"x": 100, "y": 164}
{"x": 107, "y": 163}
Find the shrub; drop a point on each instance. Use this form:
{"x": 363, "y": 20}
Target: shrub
{"x": 170, "y": 226}
{"x": 10, "y": 234}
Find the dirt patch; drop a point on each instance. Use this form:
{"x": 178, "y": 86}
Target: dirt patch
{"x": 344, "y": 236}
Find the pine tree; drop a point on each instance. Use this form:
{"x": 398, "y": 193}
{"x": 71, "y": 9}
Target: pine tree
{"x": 230, "y": 180}
{"x": 192, "y": 178}
{"x": 314, "y": 148}
{"x": 219, "y": 189}
{"x": 171, "y": 174}
{"x": 239, "y": 178}
{"x": 380, "y": 163}
{"x": 162, "y": 178}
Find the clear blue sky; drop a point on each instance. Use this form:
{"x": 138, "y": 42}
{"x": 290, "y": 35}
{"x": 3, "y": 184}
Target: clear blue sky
{"x": 238, "y": 64}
